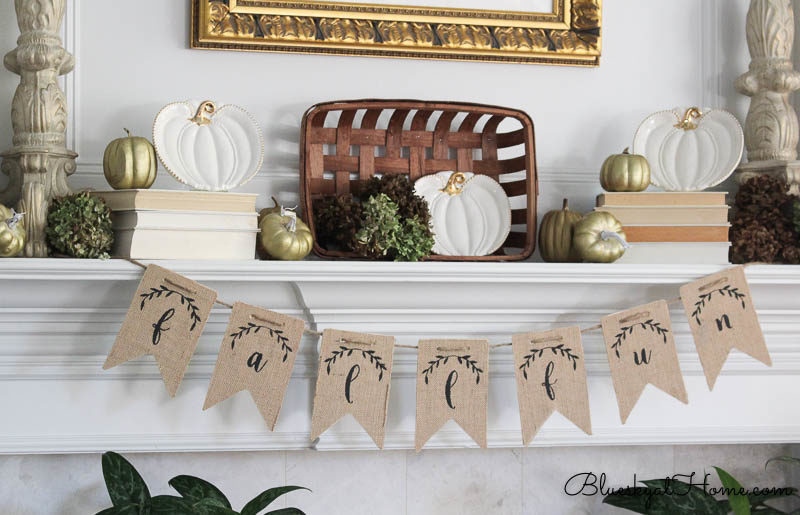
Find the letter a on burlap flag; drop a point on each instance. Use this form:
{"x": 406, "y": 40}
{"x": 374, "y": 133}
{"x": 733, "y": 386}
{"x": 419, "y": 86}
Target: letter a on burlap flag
{"x": 551, "y": 376}
{"x": 165, "y": 319}
{"x": 452, "y": 383}
{"x": 257, "y": 354}
{"x": 354, "y": 376}
{"x": 641, "y": 350}
{"x": 722, "y": 317}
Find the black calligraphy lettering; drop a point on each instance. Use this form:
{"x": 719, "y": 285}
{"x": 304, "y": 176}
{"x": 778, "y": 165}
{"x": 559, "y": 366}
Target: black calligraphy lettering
{"x": 548, "y": 383}
{"x": 452, "y": 379}
{"x": 645, "y": 357}
{"x": 351, "y": 376}
{"x": 159, "y": 328}
{"x": 726, "y": 320}
{"x": 254, "y": 361}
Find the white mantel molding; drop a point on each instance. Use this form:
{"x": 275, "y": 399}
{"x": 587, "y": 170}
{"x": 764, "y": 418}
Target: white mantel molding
{"x": 58, "y": 319}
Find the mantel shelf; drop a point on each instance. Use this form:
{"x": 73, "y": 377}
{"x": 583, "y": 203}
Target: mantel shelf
{"x": 59, "y": 318}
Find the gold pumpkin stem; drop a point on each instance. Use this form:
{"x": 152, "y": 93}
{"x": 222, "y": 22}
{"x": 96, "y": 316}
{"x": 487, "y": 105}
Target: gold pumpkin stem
{"x": 455, "y": 185}
{"x": 687, "y": 123}
{"x": 127, "y": 132}
{"x": 626, "y": 151}
{"x": 275, "y": 201}
{"x": 207, "y": 107}
{"x": 565, "y": 205}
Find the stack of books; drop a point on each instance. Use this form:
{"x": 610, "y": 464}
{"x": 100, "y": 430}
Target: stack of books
{"x": 671, "y": 227}
{"x": 174, "y": 224}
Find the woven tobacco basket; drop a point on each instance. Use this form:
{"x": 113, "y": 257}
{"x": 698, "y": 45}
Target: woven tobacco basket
{"x": 345, "y": 143}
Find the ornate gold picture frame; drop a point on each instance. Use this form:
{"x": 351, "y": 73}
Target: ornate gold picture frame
{"x": 569, "y": 35}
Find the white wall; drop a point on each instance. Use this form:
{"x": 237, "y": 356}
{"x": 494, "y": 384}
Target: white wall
{"x": 133, "y": 57}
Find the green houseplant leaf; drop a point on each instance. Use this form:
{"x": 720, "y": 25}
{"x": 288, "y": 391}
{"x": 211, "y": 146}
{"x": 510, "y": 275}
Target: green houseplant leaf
{"x": 212, "y": 507}
{"x": 125, "y": 485}
{"x": 683, "y": 498}
{"x": 195, "y": 489}
{"x": 128, "y": 509}
{"x": 285, "y": 511}
{"x": 738, "y": 501}
{"x": 170, "y": 505}
{"x": 784, "y": 459}
{"x": 266, "y": 497}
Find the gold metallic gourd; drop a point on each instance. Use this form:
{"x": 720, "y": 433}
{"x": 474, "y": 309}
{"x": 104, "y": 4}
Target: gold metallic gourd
{"x": 279, "y": 240}
{"x": 12, "y": 232}
{"x": 130, "y": 163}
{"x": 555, "y": 235}
{"x": 599, "y": 238}
{"x": 625, "y": 172}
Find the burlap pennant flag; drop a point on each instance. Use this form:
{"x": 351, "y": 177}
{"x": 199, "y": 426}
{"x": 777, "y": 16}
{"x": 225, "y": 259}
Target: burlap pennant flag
{"x": 722, "y": 317}
{"x": 165, "y": 319}
{"x": 452, "y": 383}
{"x": 551, "y": 376}
{"x": 641, "y": 350}
{"x": 354, "y": 376}
{"x": 257, "y": 354}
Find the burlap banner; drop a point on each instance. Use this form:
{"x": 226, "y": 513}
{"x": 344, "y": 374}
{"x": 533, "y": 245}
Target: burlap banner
{"x": 354, "y": 376}
{"x": 452, "y": 383}
{"x": 722, "y": 317}
{"x": 551, "y": 376}
{"x": 165, "y": 319}
{"x": 641, "y": 350}
{"x": 257, "y": 355}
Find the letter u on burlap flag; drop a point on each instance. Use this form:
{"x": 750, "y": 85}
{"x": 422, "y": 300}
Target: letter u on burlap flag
{"x": 722, "y": 317}
{"x": 452, "y": 383}
{"x": 165, "y": 319}
{"x": 551, "y": 376}
{"x": 354, "y": 376}
{"x": 641, "y": 350}
{"x": 257, "y": 354}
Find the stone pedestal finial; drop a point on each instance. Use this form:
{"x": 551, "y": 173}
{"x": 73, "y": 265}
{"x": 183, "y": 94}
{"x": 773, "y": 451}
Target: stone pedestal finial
{"x": 39, "y": 162}
{"x": 771, "y": 129}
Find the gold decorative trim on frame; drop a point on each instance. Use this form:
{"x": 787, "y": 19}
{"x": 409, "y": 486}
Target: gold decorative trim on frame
{"x": 570, "y": 35}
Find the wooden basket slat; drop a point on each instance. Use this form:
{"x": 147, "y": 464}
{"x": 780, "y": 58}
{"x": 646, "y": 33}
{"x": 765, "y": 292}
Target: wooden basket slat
{"x": 416, "y": 152}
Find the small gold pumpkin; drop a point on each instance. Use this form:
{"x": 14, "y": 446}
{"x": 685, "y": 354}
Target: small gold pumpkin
{"x": 599, "y": 238}
{"x": 12, "y": 232}
{"x": 625, "y": 172}
{"x": 130, "y": 163}
{"x": 555, "y": 235}
{"x": 282, "y": 236}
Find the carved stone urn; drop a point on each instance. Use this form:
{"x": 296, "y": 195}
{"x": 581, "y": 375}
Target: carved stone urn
{"x": 39, "y": 162}
{"x": 771, "y": 129}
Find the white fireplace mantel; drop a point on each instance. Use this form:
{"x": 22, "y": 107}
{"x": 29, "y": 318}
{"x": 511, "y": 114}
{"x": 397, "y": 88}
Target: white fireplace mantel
{"x": 58, "y": 320}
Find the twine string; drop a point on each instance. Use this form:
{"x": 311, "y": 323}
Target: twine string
{"x": 317, "y": 334}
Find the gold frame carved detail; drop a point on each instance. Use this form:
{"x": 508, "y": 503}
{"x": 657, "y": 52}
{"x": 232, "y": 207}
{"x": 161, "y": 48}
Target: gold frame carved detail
{"x": 569, "y": 35}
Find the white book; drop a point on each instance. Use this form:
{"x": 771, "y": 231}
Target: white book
{"x": 697, "y": 253}
{"x": 183, "y": 220}
{"x": 183, "y": 244}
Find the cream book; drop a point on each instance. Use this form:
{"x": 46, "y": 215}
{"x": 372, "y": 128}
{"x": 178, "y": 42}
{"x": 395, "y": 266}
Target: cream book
{"x": 662, "y": 198}
{"x": 179, "y": 200}
{"x": 183, "y": 220}
{"x": 668, "y": 215}
{"x": 181, "y": 244}
{"x": 676, "y": 253}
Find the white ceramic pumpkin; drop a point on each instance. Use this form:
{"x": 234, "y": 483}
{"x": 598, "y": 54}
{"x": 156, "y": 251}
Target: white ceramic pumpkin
{"x": 470, "y": 214}
{"x": 690, "y": 149}
{"x": 208, "y": 147}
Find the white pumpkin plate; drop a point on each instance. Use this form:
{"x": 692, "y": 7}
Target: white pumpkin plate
{"x": 474, "y": 222}
{"x": 688, "y": 152}
{"x": 208, "y": 147}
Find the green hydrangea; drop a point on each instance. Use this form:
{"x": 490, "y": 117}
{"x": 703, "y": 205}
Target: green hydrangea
{"x": 79, "y": 225}
{"x": 385, "y": 234}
